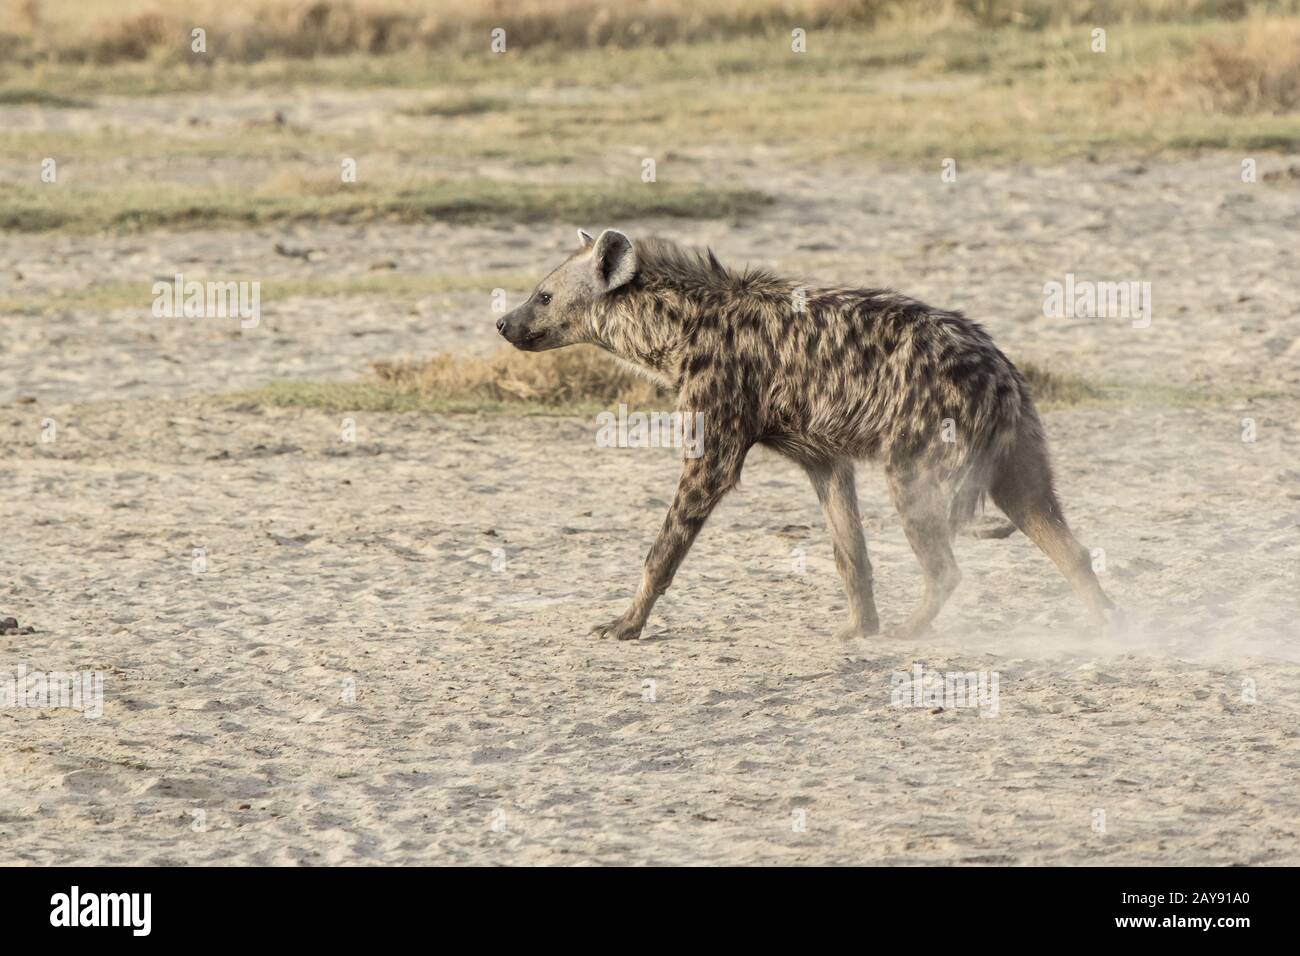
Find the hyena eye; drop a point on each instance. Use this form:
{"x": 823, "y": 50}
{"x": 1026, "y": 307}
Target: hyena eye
{"x": 544, "y": 298}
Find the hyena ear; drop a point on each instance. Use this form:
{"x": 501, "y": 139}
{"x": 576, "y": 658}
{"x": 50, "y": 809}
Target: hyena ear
{"x": 585, "y": 238}
{"x": 615, "y": 259}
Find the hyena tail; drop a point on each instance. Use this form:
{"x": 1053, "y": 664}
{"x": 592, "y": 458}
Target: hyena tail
{"x": 1020, "y": 483}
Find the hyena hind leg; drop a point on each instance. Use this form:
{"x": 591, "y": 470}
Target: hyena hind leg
{"x": 1022, "y": 488}
{"x": 924, "y": 510}
{"x": 838, "y": 493}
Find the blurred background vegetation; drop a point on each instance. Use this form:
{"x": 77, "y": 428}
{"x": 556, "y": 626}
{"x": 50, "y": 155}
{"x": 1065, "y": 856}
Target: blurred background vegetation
{"x": 151, "y": 135}
{"x": 114, "y": 31}
{"x": 895, "y": 81}
{"x": 899, "y": 81}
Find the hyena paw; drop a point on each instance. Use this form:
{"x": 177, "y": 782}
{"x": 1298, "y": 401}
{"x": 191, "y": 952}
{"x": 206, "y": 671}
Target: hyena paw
{"x": 621, "y": 629}
{"x": 853, "y": 630}
{"x": 908, "y": 630}
{"x": 1113, "y": 623}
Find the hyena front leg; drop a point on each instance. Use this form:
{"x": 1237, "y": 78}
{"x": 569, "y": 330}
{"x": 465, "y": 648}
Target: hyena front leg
{"x": 703, "y": 483}
{"x": 838, "y": 493}
{"x": 924, "y": 510}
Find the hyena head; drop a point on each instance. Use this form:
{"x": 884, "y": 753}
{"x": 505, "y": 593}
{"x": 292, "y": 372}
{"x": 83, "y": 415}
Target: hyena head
{"x": 568, "y": 305}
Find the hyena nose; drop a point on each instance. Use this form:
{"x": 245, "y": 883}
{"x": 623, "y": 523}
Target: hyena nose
{"x": 501, "y": 325}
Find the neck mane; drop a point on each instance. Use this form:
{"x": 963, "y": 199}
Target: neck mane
{"x": 657, "y": 313}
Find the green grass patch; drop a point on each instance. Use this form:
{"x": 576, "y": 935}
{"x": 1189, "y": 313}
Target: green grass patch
{"x": 74, "y": 209}
{"x": 399, "y": 287}
{"x": 457, "y": 106}
{"x": 32, "y": 97}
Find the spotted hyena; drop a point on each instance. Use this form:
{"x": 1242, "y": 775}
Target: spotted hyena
{"x": 825, "y": 376}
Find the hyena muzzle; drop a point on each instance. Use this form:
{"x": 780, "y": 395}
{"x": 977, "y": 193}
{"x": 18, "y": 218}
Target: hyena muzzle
{"x": 825, "y": 376}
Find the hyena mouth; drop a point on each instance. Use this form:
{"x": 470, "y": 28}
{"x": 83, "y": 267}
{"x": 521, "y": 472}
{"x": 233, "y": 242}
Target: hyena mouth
{"x": 526, "y": 342}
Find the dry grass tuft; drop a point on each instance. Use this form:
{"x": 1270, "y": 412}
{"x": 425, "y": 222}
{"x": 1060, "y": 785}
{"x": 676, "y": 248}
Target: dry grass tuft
{"x": 1259, "y": 75}
{"x": 100, "y": 31}
{"x": 253, "y": 30}
{"x": 130, "y": 38}
{"x": 1057, "y": 388}
{"x": 575, "y": 376}
{"x": 1255, "y": 72}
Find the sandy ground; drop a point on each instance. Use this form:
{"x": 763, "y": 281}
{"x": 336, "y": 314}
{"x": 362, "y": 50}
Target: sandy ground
{"x": 446, "y": 570}
{"x": 386, "y": 658}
